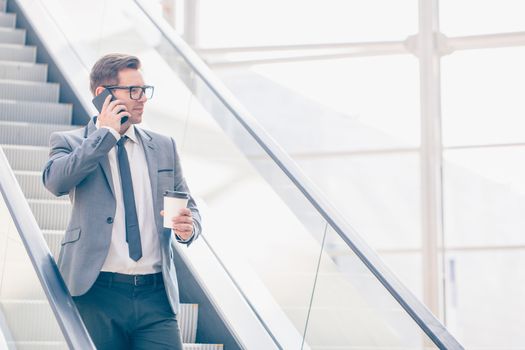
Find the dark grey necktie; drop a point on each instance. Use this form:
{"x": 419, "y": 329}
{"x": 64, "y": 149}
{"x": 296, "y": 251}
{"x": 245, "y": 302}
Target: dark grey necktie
{"x": 132, "y": 222}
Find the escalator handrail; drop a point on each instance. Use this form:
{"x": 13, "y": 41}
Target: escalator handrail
{"x": 434, "y": 329}
{"x": 67, "y": 316}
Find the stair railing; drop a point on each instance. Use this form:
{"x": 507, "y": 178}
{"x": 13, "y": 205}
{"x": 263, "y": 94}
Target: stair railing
{"x": 66, "y": 314}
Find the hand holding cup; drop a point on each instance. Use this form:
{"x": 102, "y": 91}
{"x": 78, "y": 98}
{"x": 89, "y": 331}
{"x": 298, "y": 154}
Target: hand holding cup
{"x": 176, "y": 215}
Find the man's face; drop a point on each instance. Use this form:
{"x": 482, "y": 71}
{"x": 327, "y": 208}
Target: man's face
{"x": 131, "y": 77}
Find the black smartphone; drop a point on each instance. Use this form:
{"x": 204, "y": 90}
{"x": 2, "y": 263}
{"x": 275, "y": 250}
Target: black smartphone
{"x": 98, "y": 101}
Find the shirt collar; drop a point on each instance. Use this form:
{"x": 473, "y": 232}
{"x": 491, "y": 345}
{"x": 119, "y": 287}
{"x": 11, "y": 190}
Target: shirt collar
{"x": 130, "y": 133}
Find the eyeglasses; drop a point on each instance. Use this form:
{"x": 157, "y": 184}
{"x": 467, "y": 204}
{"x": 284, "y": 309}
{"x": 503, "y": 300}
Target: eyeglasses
{"x": 135, "y": 92}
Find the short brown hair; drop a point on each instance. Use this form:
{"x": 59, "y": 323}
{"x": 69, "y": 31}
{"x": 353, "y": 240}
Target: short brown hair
{"x": 106, "y": 69}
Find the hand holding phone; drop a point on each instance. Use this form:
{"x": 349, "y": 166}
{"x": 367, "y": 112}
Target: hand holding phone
{"x": 99, "y": 100}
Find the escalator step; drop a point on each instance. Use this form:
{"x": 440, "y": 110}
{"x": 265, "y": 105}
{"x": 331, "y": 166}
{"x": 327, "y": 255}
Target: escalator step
{"x": 39, "y": 345}
{"x": 27, "y": 345}
{"x": 189, "y": 314}
{"x": 23, "y": 71}
{"x": 7, "y": 20}
{"x": 16, "y": 52}
{"x": 53, "y": 239}
{"x": 22, "y": 90}
{"x": 33, "y": 321}
{"x": 26, "y": 158}
{"x": 35, "y": 112}
{"x": 51, "y": 214}
{"x": 14, "y": 133}
{"x": 31, "y": 183}
{"x": 12, "y": 36}
{"x": 203, "y": 346}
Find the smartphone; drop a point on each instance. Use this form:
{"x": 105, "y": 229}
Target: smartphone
{"x": 98, "y": 101}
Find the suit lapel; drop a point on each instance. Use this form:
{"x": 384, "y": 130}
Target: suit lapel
{"x": 104, "y": 163}
{"x": 151, "y": 158}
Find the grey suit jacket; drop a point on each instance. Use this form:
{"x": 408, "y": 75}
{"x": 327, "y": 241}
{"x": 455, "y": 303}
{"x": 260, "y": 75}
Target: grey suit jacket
{"x": 78, "y": 165}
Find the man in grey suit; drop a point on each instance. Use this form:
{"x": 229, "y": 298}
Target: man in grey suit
{"x": 116, "y": 256}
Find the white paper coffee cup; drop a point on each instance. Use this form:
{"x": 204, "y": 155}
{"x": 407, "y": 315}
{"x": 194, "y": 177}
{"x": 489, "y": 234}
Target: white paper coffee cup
{"x": 173, "y": 202}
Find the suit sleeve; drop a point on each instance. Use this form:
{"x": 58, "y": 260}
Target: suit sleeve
{"x": 68, "y": 166}
{"x": 180, "y": 185}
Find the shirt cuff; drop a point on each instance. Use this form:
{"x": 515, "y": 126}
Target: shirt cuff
{"x": 113, "y": 131}
{"x": 180, "y": 240}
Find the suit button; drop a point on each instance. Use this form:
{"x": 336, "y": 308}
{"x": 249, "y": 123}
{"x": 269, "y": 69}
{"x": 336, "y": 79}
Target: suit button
{"x": 109, "y": 220}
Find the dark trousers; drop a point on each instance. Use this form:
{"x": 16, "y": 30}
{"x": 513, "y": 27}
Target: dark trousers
{"x": 123, "y": 315}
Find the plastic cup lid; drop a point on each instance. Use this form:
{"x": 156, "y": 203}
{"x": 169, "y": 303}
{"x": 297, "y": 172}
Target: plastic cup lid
{"x": 176, "y": 194}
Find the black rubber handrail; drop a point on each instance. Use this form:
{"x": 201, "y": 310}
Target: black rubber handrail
{"x": 432, "y": 327}
{"x": 66, "y": 314}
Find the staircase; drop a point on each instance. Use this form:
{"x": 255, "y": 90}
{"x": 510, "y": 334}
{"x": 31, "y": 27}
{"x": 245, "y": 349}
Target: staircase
{"x": 29, "y": 112}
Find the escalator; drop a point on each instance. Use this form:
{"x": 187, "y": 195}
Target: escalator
{"x": 276, "y": 268}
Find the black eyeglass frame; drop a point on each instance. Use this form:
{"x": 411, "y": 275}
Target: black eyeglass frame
{"x": 143, "y": 88}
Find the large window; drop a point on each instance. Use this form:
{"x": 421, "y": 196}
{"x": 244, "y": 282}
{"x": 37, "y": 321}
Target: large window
{"x": 276, "y": 22}
{"x": 474, "y": 17}
{"x": 354, "y": 125}
{"x": 482, "y": 94}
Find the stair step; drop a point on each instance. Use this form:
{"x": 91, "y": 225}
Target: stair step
{"x": 42, "y": 345}
{"x": 26, "y": 158}
{"x": 12, "y": 36}
{"x": 20, "y": 53}
{"x": 33, "y": 320}
{"x": 16, "y": 70}
{"x": 29, "y": 288}
{"x": 7, "y": 20}
{"x": 51, "y": 214}
{"x": 19, "y": 280}
{"x": 14, "y": 133}
{"x": 38, "y": 345}
{"x": 32, "y": 186}
{"x": 202, "y": 346}
{"x": 188, "y": 317}
{"x": 28, "y": 314}
{"x": 35, "y": 112}
{"x": 29, "y": 91}
{"x": 54, "y": 239}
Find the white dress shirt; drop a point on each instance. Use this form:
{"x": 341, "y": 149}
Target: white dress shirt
{"x": 118, "y": 259}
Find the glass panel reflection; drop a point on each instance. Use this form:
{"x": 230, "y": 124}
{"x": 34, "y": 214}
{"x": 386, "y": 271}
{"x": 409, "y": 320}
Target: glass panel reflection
{"x": 258, "y": 222}
{"x": 338, "y": 105}
{"x": 364, "y": 187}
{"x": 484, "y": 196}
{"x": 352, "y": 310}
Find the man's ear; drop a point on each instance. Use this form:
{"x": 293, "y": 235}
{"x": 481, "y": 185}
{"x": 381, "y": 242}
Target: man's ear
{"x": 99, "y": 90}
